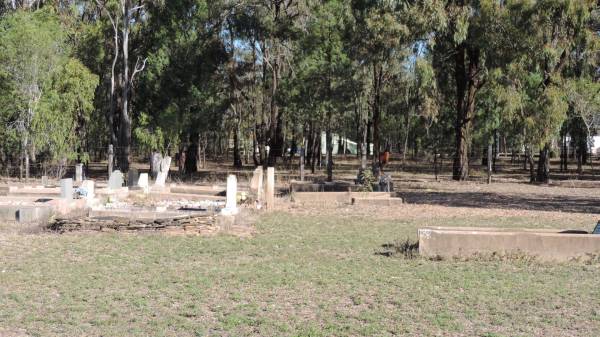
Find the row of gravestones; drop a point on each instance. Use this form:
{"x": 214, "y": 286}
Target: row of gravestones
{"x": 256, "y": 186}
{"x": 135, "y": 179}
{"x": 264, "y": 194}
{"x": 115, "y": 181}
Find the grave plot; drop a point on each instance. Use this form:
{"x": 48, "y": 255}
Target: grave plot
{"x": 545, "y": 245}
{"x": 140, "y": 220}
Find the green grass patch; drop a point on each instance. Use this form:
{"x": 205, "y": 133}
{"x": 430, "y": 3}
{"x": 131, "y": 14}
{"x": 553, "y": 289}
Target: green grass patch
{"x": 299, "y": 276}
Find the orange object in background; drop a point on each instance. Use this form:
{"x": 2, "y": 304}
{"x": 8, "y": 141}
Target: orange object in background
{"x": 384, "y": 158}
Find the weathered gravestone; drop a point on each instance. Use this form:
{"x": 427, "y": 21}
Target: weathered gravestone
{"x": 116, "y": 180}
{"x": 256, "y": 184}
{"x": 132, "y": 177}
{"x": 66, "y": 189}
{"x": 231, "y": 204}
{"x": 88, "y": 187}
{"x": 45, "y": 181}
{"x": 161, "y": 178}
{"x": 143, "y": 181}
{"x": 155, "y": 161}
{"x": 270, "y": 197}
{"x": 79, "y": 173}
{"x": 111, "y": 159}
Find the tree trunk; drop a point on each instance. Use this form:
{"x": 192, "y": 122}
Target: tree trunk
{"x": 125, "y": 124}
{"x": 466, "y": 88}
{"x": 529, "y": 159}
{"x": 579, "y": 162}
{"x": 329, "y": 150}
{"x": 302, "y": 156}
{"x": 364, "y": 145}
{"x": 543, "y": 170}
{"x": 377, "y": 81}
{"x": 489, "y": 162}
{"x": 237, "y": 159}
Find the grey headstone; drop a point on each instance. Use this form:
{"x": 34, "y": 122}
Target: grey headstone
{"x": 155, "y": 162}
{"x": 45, "y": 181}
{"x": 132, "y": 177}
{"x": 116, "y": 180}
{"x": 66, "y": 189}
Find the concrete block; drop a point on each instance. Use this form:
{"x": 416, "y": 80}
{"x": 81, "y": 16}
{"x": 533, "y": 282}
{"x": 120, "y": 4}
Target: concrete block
{"x": 546, "y": 245}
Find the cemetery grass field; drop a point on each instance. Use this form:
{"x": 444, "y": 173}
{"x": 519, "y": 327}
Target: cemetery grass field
{"x": 300, "y": 275}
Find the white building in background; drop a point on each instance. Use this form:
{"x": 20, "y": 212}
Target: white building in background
{"x": 339, "y": 143}
{"x": 595, "y": 145}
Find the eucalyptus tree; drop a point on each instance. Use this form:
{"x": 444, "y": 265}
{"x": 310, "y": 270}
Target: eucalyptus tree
{"x": 550, "y": 31}
{"x": 382, "y": 33}
{"x": 478, "y": 36}
{"x": 31, "y": 49}
{"x": 125, "y": 16}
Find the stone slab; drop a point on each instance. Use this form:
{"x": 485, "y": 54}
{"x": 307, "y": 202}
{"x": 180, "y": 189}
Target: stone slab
{"x": 387, "y": 201}
{"x": 337, "y": 197}
{"x": 203, "y": 190}
{"x": 545, "y": 245}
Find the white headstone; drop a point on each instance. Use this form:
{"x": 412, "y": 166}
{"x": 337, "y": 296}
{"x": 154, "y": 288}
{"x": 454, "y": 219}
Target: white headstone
{"x": 143, "y": 181}
{"x": 45, "y": 181}
{"x": 254, "y": 182}
{"x": 116, "y": 180}
{"x": 79, "y": 173}
{"x": 161, "y": 178}
{"x": 88, "y": 186}
{"x": 270, "y": 197}
{"x": 260, "y": 192}
{"x": 231, "y": 204}
{"x": 66, "y": 189}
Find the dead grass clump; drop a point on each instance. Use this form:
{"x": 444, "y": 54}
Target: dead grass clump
{"x": 407, "y": 249}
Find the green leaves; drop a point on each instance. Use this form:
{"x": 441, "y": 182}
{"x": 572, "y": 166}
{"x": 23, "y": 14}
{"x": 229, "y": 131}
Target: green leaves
{"x": 52, "y": 94}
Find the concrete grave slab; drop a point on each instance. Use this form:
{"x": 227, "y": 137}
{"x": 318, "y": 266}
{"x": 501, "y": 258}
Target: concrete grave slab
{"x": 546, "y": 245}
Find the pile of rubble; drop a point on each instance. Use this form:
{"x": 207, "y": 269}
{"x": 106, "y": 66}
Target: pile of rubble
{"x": 190, "y": 224}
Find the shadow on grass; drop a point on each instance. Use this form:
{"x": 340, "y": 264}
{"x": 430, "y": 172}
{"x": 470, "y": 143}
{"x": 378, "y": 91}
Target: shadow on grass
{"x": 554, "y": 203}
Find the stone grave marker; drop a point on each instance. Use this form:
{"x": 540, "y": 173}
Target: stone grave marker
{"x": 254, "y": 182}
{"x": 111, "y": 159}
{"x": 270, "y": 197}
{"x": 116, "y": 180}
{"x": 45, "y": 181}
{"x": 79, "y": 173}
{"x": 155, "y": 162}
{"x": 66, "y": 189}
{"x": 88, "y": 186}
{"x": 132, "y": 177}
{"x": 161, "y": 178}
{"x": 231, "y": 204}
{"x": 143, "y": 181}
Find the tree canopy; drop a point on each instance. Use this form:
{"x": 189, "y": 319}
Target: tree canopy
{"x": 261, "y": 79}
